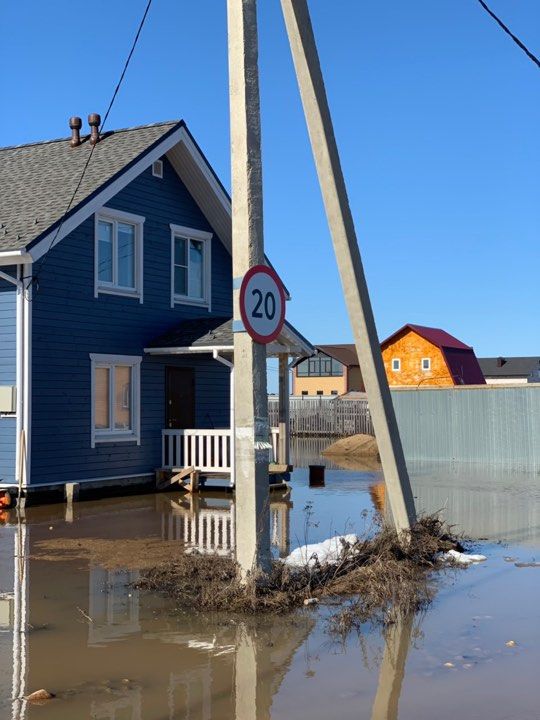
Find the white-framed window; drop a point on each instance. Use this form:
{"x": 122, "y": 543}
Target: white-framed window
{"x": 115, "y": 398}
{"x": 157, "y": 168}
{"x": 426, "y": 364}
{"x": 190, "y": 266}
{"x": 118, "y": 253}
{"x": 396, "y": 364}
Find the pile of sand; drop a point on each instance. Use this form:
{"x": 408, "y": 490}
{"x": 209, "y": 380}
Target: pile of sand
{"x": 360, "y": 446}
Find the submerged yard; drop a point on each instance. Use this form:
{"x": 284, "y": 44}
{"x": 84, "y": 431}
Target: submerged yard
{"x": 69, "y": 582}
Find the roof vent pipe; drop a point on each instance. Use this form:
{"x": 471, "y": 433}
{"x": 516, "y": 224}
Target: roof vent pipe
{"x": 94, "y": 120}
{"x": 75, "y": 123}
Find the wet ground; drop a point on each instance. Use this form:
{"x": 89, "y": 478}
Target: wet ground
{"x": 71, "y": 622}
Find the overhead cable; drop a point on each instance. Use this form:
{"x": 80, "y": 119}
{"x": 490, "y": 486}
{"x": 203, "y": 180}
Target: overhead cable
{"x": 34, "y": 279}
{"x": 507, "y": 30}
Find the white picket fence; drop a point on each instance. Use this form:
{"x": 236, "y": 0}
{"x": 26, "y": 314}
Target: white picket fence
{"x": 322, "y": 416}
{"x": 205, "y": 450}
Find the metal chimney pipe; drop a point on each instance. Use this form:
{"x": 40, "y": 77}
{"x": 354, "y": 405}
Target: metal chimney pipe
{"x": 75, "y": 123}
{"x": 94, "y": 120}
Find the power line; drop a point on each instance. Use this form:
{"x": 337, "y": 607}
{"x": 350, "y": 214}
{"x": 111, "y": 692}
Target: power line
{"x": 35, "y": 278}
{"x": 507, "y": 30}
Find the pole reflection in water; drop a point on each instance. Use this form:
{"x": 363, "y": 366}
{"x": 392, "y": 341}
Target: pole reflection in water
{"x": 20, "y": 618}
{"x": 392, "y": 670}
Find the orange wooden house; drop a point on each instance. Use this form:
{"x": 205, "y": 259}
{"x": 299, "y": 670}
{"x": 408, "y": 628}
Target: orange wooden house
{"x": 419, "y": 356}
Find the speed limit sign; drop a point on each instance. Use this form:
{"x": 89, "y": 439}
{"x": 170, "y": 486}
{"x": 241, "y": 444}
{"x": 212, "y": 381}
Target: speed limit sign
{"x": 262, "y": 304}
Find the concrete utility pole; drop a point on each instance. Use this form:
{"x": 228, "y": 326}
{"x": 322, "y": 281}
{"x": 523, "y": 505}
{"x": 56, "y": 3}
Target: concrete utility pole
{"x": 250, "y": 391}
{"x": 332, "y": 182}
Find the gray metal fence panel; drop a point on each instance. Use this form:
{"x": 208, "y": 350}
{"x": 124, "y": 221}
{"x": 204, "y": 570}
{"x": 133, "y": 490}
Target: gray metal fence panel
{"x": 490, "y": 424}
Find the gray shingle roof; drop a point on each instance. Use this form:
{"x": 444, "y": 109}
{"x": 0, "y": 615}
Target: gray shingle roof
{"x": 37, "y": 180}
{"x": 510, "y": 367}
{"x": 212, "y": 332}
{"x": 201, "y": 332}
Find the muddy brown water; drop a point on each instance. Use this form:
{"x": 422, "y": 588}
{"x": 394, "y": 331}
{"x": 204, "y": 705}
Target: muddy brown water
{"x": 71, "y": 622}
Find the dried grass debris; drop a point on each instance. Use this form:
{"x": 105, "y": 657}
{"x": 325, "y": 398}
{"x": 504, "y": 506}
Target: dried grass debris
{"x": 375, "y": 577}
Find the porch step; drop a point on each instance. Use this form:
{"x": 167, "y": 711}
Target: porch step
{"x": 187, "y": 478}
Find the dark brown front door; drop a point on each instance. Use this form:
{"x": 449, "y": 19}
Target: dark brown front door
{"x": 180, "y": 399}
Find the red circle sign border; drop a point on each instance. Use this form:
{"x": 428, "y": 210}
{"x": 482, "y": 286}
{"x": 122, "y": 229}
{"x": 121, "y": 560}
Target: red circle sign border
{"x": 263, "y": 339}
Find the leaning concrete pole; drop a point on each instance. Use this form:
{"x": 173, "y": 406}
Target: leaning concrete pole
{"x": 251, "y": 432}
{"x": 332, "y": 182}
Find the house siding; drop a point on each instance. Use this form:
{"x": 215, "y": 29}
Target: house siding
{"x": 410, "y": 348}
{"x": 314, "y": 384}
{"x": 69, "y": 324}
{"x": 8, "y": 370}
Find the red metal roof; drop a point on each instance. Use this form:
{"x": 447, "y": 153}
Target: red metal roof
{"x": 438, "y": 337}
{"x": 460, "y": 359}
{"x": 463, "y": 366}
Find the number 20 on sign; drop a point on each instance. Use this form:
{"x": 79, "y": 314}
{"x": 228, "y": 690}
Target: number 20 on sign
{"x": 262, "y": 304}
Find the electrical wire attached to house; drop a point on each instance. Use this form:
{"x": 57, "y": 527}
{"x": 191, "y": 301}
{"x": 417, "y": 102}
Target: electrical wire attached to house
{"x": 33, "y": 280}
{"x": 507, "y": 30}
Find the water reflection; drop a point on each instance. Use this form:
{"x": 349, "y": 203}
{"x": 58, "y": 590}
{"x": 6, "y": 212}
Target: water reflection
{"x": 106, "y": 650}
{"x": 71, "y": 620}
{"x": 392, "y": 669}
{"x": 481, "y": 501}
{"x": 207, "y": 523}
{"x": 112, "y": 653}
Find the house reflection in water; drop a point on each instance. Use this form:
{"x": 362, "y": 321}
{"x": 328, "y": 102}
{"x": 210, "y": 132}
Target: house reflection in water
{"x": 109, "y": 651}
{"x": 481, "y": 502}
{"x": 206, "y": 523}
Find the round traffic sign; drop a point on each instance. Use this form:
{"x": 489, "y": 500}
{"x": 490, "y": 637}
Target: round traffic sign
{"x": 262, "y": 304}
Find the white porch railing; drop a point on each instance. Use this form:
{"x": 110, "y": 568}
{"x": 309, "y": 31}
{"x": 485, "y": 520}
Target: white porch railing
{"x": 205, "y": 450}
{"x": 274, "y": 439}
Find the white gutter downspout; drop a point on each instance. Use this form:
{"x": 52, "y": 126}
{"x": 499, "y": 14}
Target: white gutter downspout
{"x": 19, "y": 369}
{"x": 230, "y": 365}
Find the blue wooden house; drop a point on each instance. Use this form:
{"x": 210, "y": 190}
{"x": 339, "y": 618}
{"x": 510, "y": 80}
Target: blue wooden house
{"x": 115, "y": 317}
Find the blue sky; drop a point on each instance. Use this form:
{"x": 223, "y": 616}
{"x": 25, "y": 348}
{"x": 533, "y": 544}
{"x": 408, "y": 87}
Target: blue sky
{"x": 437, "y": 116}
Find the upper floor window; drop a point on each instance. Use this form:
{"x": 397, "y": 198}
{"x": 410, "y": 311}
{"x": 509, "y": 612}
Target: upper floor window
{"x": 118, "y": 253}
{"x": 426, "y": 364}
{"x": 115, "y": 398}
{"x": 396, "y": 364}
{"x": 190, "y": 266}
{"x": 319, "y": 366}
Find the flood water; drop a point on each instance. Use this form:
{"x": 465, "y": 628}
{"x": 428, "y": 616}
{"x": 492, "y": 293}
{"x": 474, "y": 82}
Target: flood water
{"x": 71, "y": 622}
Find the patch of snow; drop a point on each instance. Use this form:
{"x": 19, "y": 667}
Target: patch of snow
{"x": 328, "y": 551}
{"x": 463, "y": 558}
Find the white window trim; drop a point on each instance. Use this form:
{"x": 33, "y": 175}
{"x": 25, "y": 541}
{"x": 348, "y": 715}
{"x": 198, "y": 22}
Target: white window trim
{"x": 398, "y": 368}
{"x": 111, "y": 215}
{"x": 425, "y": 369}
{"x": 193, "y": 234}
{"x": 114, "y": 436}
{"x": 157, "y": 169}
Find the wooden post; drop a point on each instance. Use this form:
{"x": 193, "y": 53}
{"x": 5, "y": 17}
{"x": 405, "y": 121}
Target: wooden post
{"x": 251, "y": 431}
{"x": 332, "y": 182}
{"x": 283, "y": 411}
